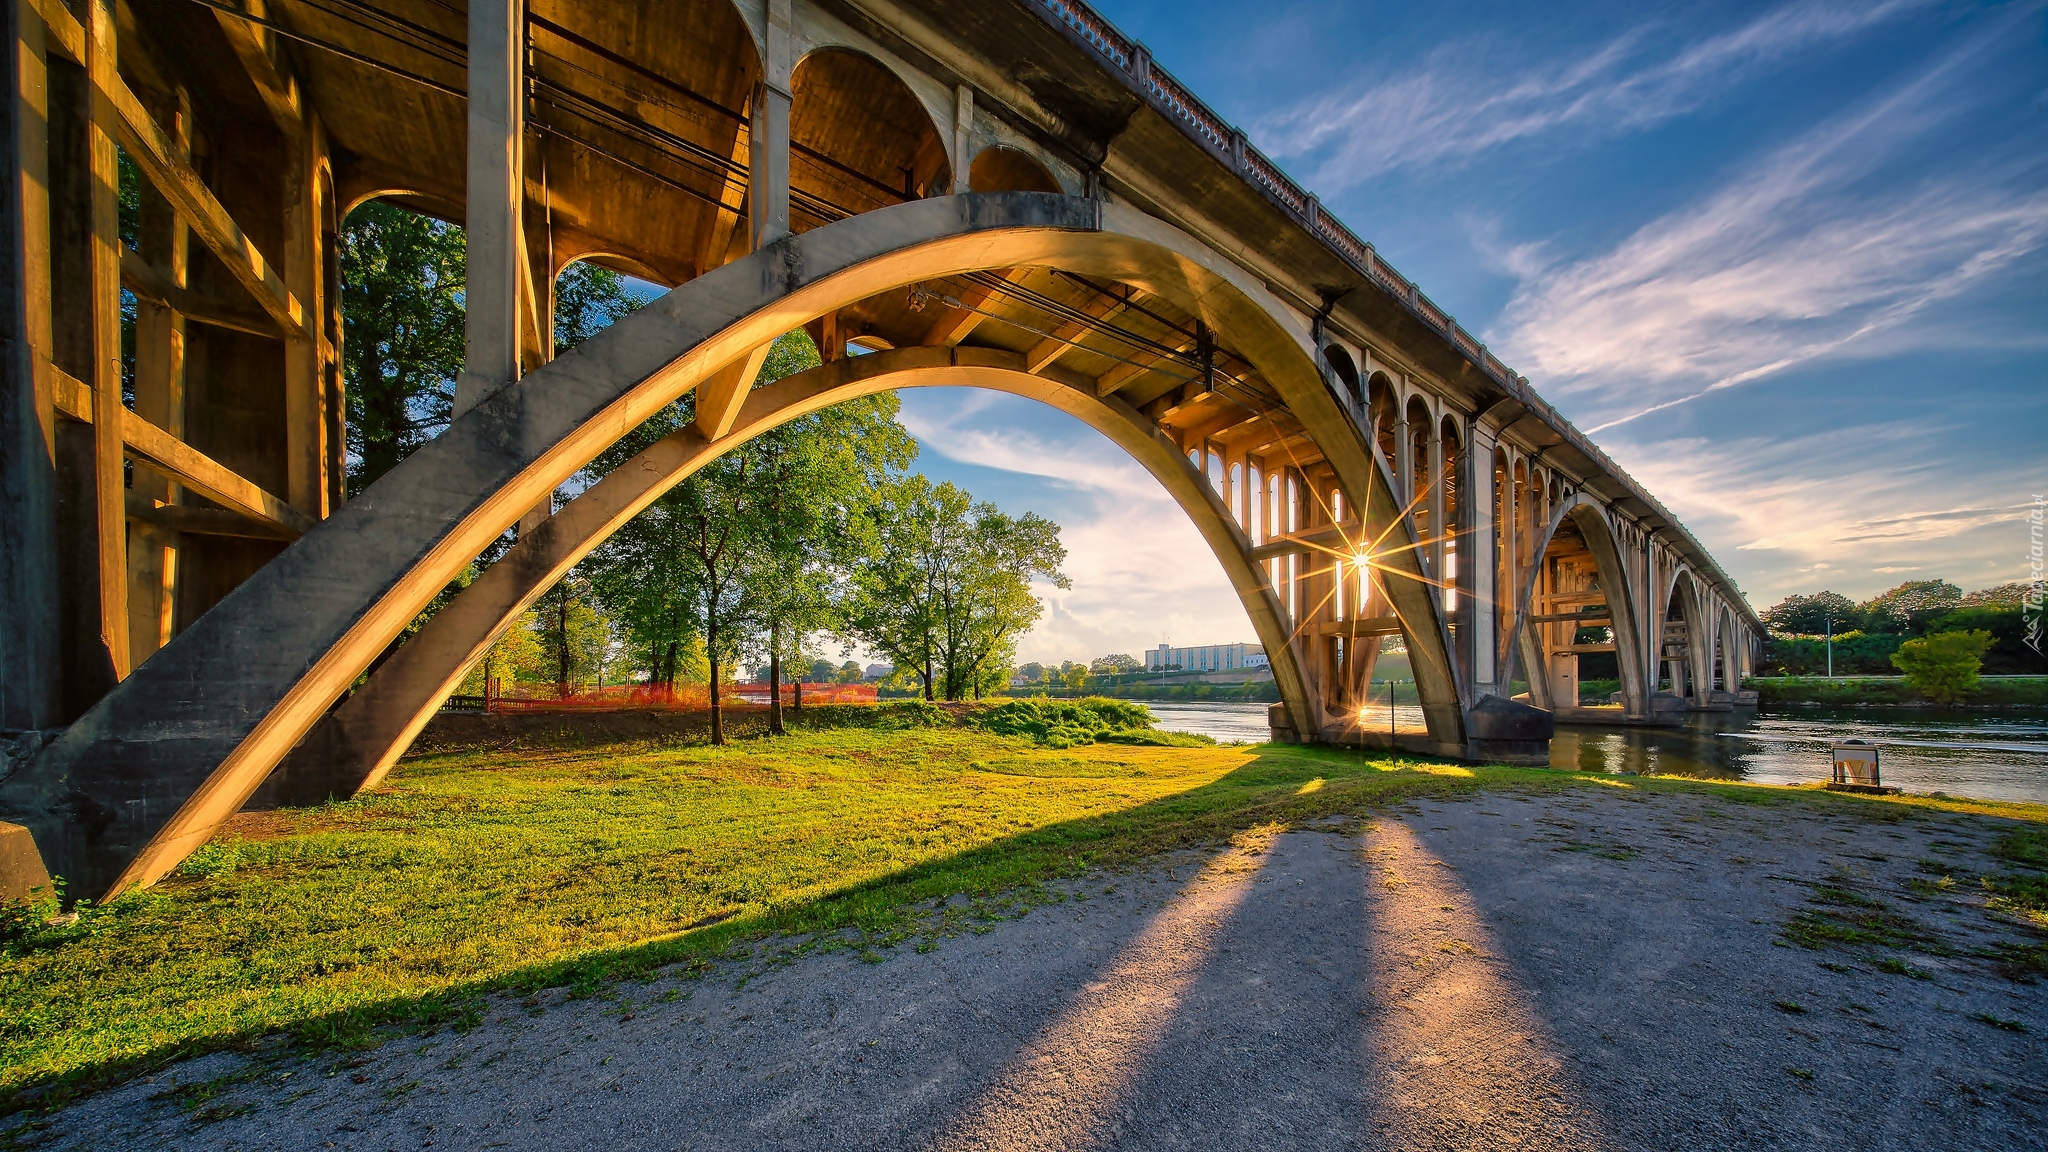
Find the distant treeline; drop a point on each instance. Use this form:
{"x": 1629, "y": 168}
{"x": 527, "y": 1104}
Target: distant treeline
{"x": 1867, "y": 634}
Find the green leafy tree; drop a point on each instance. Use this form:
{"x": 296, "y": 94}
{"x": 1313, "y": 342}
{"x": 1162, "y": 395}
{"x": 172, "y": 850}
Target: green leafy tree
{"x": 812, "y": 477}
{"x": 1032, "y": 672}
{"x": 574, "y": 636}
{"x": 402, "y": 333}
{"x": 1944, "y": 665}
{"x": 986, "y": 602}
{"x": 2007, "y": 626}
{"x": 1075, "y": 675}
{"x": 946, "y": 587}
{"x": 1810, "y": 615}
{"x": 1910, "y": 607}
{"x": 742, "y": 556}
{"x": 589, "y": 299}
{"x": 1114, "y": 664}
{"x": 892, "y": 603}
{"x": 402, "y": 277}
{"x": 515, "y": 656}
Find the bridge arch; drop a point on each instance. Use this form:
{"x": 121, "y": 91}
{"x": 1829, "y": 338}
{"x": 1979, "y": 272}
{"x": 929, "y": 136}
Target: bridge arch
{"x": 356, "y": 744}
{"x": 1382, "y": 406}
{"x": 860, "y": 139}
{"x": 998, "y": 168}
{"x": 109, "y": 807}
{"x": 1578, "y": 514}
{"x": 1732, "y": 650}
{"x": 1682, "y": 599}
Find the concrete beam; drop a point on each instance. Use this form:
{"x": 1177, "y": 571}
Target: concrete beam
{"x": 30, "y": 625}
{"x": 222, "y": 712}
{"x": 495, "y": 200}
{"x": 180, "y": 462}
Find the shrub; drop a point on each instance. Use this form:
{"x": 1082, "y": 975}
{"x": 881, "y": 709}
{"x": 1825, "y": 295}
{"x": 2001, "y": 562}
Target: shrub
{"x": 1856, "y": 653}
{"x": 1943, "y": 666}
{"x": 1065, "y": 723}
{"x": 2008, "y": 654}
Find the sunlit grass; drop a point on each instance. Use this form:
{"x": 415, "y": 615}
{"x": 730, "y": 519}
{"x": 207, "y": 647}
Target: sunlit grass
{"x": 525, "y": 870}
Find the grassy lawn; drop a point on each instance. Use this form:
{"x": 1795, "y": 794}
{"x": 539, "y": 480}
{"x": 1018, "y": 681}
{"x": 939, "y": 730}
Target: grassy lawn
{"x": 478, "y": 871}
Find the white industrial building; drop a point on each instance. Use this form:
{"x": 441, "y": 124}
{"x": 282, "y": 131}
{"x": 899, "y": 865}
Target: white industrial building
{"x": 1205, "y": 658}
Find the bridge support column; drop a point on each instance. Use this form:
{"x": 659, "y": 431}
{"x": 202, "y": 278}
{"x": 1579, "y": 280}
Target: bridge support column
{"x": 1404, "y": 459}
{"x": 495, "y": 201}
{"x": 963, "y": 124}
{"x": 1436, "y": 503}
{"x": 1480, "y": 565}
{"x": 31, "y": 638}
{"x": 768, "y": 134}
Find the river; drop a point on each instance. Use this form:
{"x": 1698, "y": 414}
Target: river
{"x": 1989, "y": 757}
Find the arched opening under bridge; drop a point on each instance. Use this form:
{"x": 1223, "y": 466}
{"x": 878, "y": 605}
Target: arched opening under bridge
{"x": 332, "y": 602}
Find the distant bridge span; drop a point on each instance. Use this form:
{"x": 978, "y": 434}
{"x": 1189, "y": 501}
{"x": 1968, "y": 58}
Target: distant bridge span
{"x": 1005, "y": 195}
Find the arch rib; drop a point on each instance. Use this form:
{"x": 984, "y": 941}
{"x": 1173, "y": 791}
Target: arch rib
{"x": 354, "y": 746}
{"x": 147, "y": 774}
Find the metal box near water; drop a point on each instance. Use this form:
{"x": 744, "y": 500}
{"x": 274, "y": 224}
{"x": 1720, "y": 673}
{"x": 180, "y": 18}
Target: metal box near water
{"x": 1856, "y": 768}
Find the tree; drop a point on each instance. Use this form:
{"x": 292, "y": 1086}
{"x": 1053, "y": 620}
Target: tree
{"x": 402, "y": 277}
{"x": 891, "y": 607}
{"x": 1909, "y": 607}
{"x": 2012, "y": 596}
{"x": 1114, "y": 664}
{"x": 402, "y": 333}
{"x": 849, "y": 673}
{"x": 1943, "y": 666}
{"x": 2009, "y": 652}
{"x": 1075, "y": 675}
{"x": 945, "y": 588}
{"x": 574, "y": 637}
{"x": 1032, "y": 672}
{"x": 516, "y": 656}
{"x": 589, "y": 299}
{"x": 742, "y": 555}
{"x": 986, "y": 601}
{"x": 811, "y": 478}
{"x": 1810, "y": 615}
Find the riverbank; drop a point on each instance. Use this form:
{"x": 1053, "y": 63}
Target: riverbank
{"x": 1516, "y": 960}
{"x": 1895, "y": 692}
{"x": 559, "y": 865}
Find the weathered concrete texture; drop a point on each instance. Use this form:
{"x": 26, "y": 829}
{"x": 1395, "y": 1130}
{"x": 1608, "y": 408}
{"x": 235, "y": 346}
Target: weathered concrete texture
{"x": 1472, "y": 974}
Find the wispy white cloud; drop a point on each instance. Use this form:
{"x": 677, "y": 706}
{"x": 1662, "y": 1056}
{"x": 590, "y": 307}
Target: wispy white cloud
{"x": 1808, "y": 255}
{"x": 1141, "y": 572}
{"x": 1851, "y": 507}
{"x": 1461, "y": 103}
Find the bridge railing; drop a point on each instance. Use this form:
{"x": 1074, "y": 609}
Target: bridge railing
{"x": 1229, "y": 146}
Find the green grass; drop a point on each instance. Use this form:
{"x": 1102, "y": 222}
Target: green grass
{"x": 579, "y": 867}
{"x": 576, "y": 867}
{"x": 1850, "y": 691}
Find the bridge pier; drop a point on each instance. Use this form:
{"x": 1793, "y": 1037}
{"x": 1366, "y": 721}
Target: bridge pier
{"x": 1366, "y": 472}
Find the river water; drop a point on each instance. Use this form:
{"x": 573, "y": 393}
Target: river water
{"x": 1990, "y": 757}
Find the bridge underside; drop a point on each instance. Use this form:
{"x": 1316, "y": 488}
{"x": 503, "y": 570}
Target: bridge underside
{"x": 190, "y": 591}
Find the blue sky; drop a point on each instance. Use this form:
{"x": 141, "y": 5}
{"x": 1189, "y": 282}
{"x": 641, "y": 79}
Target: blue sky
{"x": 1787, "y": 262}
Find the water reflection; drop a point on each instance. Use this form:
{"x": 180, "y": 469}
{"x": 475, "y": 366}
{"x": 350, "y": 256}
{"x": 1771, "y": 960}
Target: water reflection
{"x": 1997, "y": 757}
{"x": 2002, "y": 757}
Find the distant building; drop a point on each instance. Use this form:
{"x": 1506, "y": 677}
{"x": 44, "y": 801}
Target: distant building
{"x": 879, "y": 672}
{"x": 1206, "y": 658}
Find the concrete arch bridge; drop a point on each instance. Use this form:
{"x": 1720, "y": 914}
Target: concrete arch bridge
{"x": 1005, "y": 195}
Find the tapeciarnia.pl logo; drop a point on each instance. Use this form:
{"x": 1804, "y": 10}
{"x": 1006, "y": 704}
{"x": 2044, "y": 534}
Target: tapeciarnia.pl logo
{"x": 2037, "y": 520}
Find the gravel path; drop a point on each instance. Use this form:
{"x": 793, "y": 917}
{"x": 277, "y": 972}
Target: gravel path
{"x": 1594, "y": 969}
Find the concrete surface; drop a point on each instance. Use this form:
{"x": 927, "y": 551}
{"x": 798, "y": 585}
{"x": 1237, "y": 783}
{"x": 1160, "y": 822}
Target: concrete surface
{"x": 1589, "y": 970}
